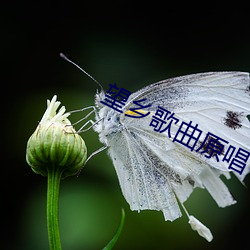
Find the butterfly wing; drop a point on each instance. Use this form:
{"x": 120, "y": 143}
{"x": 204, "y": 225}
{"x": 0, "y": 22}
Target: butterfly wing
{"x": 152, "y": 169}
{"x": 217, "y": 102}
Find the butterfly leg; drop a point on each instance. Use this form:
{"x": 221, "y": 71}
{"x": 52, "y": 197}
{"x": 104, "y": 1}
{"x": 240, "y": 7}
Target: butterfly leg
{"x": 81, "y": 129}
{"x": 86, "y": 116}
{"x": 96, "y": 152}
{"x": 92, "y": 154}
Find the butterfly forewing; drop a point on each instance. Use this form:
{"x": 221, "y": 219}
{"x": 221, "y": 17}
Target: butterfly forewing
{"x": 217, "y": 102}
{"x": 155, "y": 167}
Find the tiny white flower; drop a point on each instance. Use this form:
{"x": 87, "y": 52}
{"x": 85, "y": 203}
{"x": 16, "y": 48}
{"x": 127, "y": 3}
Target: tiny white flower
{"x": 200, "y": 228}
{"x": 50, "y": 114}
{"x": 196, "y": 225}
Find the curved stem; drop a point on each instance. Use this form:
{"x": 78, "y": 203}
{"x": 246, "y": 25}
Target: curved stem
{"x": 117, "y": 234}
{"x": 54, "y": 177}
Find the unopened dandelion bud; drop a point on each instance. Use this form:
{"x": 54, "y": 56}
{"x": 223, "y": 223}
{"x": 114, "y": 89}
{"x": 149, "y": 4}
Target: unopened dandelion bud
{"x": 55, "y": 144}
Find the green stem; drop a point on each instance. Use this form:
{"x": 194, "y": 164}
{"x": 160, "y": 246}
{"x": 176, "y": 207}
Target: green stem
{"x": 54, "y": 177}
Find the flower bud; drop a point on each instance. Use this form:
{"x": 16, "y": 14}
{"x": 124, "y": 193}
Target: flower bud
{"x": 55, "y": 144}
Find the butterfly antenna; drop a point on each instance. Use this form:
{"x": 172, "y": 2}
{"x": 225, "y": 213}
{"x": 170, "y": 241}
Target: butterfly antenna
{"x": 68, "y": 60}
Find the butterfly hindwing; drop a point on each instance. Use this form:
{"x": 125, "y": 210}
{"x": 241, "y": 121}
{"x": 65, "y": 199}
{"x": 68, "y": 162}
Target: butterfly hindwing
{"x": 139, "y": 172}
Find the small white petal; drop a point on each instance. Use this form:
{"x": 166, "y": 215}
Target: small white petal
{"x": 50, "y": 114}
{"x": 200, "y": 228}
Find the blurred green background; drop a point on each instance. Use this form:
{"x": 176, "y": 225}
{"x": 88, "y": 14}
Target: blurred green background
{"x": 116, "y": 42}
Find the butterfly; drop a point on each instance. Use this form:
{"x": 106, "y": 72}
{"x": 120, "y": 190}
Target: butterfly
{"x": 155, "y": 170}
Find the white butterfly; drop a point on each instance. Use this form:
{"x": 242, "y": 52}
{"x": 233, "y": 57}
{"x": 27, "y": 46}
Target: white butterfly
{"x": 154, "y": 171}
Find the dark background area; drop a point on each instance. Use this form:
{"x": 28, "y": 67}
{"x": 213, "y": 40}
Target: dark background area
{"x": 132, "y": 44}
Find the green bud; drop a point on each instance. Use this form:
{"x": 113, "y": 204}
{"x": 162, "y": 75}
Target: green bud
{"x": 55, "y": 144}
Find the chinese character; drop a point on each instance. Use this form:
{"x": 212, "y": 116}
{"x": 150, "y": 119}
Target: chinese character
{"x": 212, "y": 146}
{"x": 116, "y": 99}
{"x": 138, "y": 110}
{"x": 239, "y": 161}
{"x": 226, "y": 157}
{"x": 190, "y": 135}
{"x": 159, "y": 118}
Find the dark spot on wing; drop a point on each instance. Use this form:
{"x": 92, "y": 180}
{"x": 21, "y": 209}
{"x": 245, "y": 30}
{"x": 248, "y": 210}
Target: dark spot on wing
{"x": 233, "y": 119}
{"x": 248, "y": 89}
{"x": 177, "y": 178}
{"x": 191, "y": 181}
